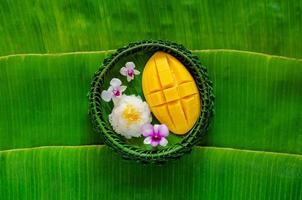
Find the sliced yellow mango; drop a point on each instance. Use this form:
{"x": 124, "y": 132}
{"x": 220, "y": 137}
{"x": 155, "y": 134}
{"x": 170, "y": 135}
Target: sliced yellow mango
{"x": 171, "y": 92}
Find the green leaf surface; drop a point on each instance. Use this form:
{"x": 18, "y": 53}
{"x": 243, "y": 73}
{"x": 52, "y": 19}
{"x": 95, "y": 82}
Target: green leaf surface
{"x": 43, "y": 99}
{"x": 96, "y": 173}
{"x": 258, "y": 99}
{"x": 269, "y": 26}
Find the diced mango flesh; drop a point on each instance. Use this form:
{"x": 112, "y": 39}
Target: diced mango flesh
{"x": 156, "y": 98}
{"x": 191, "y": 112}
{"x": 171, "y": 92}
{"x": 162, "y": 114}
{"x": 179, "y": 118}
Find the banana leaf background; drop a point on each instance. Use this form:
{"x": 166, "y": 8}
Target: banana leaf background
{"x": 49, "y": 51}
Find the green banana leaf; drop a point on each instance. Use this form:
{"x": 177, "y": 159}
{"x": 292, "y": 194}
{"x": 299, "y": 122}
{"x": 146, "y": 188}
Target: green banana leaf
{"x": 258, "y": 99}
{"x": 268, "y": 26}
{"x": 49, "y": 51}
{"x": 96, "y": 173}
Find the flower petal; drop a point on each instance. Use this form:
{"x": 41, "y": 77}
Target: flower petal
{"x": 136, "y": 72}
{"x": 155, "y": 128}
{"x": 123, "y": 88}
{"x": 123, "y": 71}
{"x": 129, "y": 78}
{"x": 106, "y": 95}
{"x": 163, "y": 130}
{"x": 115, "y": 82}
{"x": 110, "y": 89}
{"x": 163, "y": 142}
{"x": 130, "y": 65}
{"x": 117, "y": 96}
{"x": 154, "y": 143}
{"x": 147, "y": 130}
{"x": 116, "y": 100}
{"x": 147, "y": 140}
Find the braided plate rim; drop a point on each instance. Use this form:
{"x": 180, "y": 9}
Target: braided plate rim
{"x": 200, "y": 75}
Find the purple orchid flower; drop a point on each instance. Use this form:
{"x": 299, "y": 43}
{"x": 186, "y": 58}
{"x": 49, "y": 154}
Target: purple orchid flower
{"x": 115, "y": 90}
{"x": 129, "y": 71}
{"x": 155, "y": 135}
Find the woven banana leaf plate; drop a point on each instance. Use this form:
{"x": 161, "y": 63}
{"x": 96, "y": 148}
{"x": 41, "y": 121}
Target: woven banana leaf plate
{"x": 134, "y": 148}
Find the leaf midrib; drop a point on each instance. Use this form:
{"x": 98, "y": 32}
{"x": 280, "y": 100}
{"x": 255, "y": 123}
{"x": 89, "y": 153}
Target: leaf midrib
{"x": 113, "y": 50}
{"x": 196, "y": 147}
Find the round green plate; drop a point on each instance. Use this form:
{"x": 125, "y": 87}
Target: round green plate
{"x": 139, "y": 53}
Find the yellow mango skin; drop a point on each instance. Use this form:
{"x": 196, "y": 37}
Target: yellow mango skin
{"x": 171, "y": 92}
